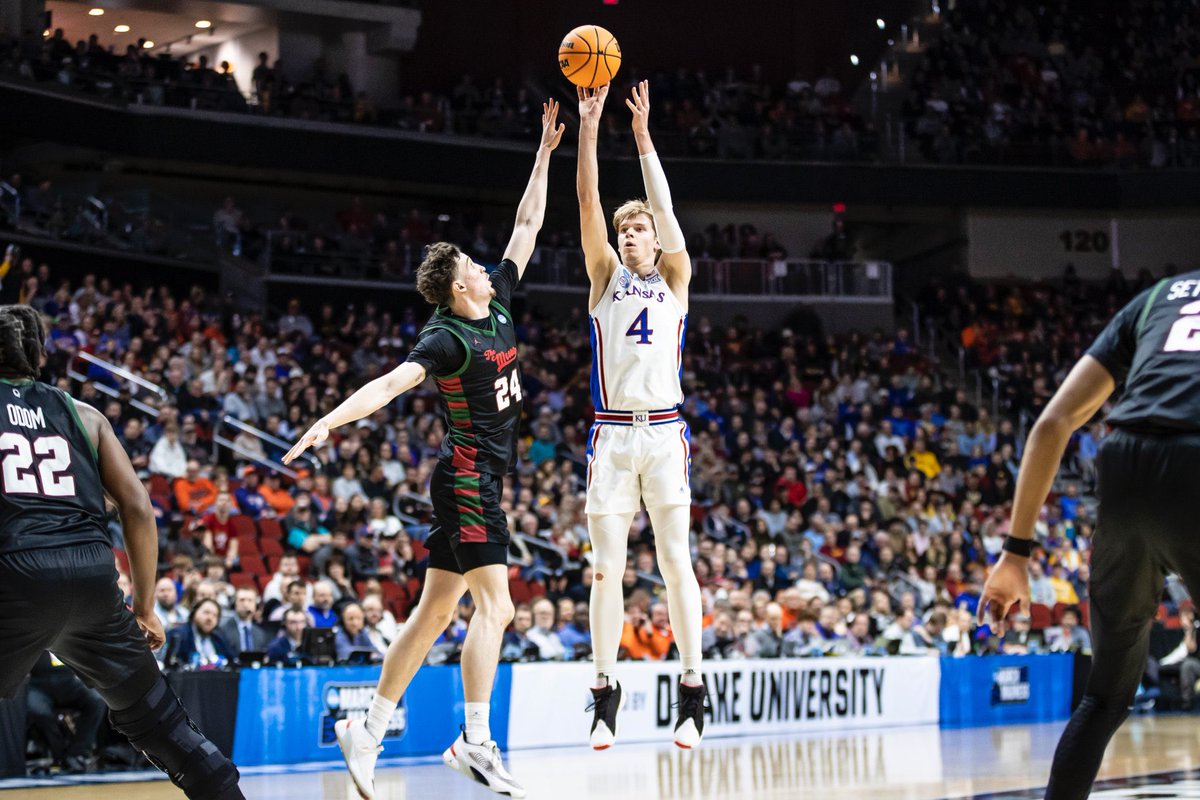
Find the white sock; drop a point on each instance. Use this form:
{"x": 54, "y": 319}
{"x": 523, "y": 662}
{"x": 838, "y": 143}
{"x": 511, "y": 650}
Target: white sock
{"x": 379, "y": 715}
{"x": 610, "y": 549}
{"x": 691, "y": 677}
{"x": 477, "y": 730}
{"x": 672, "y": 525}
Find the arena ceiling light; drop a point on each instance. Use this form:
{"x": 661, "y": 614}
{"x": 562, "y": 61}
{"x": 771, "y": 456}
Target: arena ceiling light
{"x": 203, "y": 23}
{"x": 121, "y": 29}
{"x": 854, "y": 59}
{"x": 879, "y": 23}
{"x": 96, "y": 12}
{"x": 147, "y": 44}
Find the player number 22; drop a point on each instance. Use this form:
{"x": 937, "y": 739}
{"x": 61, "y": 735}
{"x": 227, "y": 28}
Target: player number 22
{"x": 1183, "y": 336}
{"x": 508, "y": 392}
{"x": 54, "y": 462}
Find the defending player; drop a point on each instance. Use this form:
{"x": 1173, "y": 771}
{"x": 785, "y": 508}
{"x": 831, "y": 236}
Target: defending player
{"x": 469, "y": 346}
{"x": 58, "y": 582}
{"x": 639, "y": 448}
{"x": 1149, "y": 471}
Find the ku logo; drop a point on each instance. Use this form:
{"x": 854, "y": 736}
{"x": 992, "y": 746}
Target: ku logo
{"x": 503, "y": 319}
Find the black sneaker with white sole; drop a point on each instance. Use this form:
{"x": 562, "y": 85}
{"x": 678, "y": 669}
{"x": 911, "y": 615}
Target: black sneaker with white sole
{"x": 605, "y": 704}
{"x": 689, "y": 727}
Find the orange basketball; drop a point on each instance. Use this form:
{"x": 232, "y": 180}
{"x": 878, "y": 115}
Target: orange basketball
{"x": 589, "y": 56}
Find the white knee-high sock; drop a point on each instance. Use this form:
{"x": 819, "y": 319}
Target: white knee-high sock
{"x": 610, "y": 551}
{"x": 671, "y": 530}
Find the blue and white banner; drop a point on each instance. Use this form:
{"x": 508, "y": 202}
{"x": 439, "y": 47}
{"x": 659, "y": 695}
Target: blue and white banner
{"x": 995, "y": 690}
{"x": 745, "y": 697}
{"x": 286, "y": 716}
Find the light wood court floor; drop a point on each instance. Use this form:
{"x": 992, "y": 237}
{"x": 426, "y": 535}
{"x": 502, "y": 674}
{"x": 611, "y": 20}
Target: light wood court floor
{"x": 896, "y": 763}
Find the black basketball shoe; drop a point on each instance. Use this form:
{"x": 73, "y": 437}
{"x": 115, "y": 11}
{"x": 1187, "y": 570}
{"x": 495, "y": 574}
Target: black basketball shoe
{"x": 689, "y": 728}
{"x": 605, "y": 703}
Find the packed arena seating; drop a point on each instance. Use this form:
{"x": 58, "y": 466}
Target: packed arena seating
{"x": 847, "y": 499}
{"x": 1060, "y": 82}
{"x": 730, "y": 116}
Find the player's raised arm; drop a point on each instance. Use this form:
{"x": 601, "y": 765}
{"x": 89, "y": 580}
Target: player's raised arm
{"x": 675, "y": 264}
{"x": 532, "y": 209}
{"x": 600, "y": 258}
{"x": 363, "y": 403}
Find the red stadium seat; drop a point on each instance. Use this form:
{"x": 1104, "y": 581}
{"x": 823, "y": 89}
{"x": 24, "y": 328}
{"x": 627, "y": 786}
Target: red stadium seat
{"x": 1085, "y": 614}
{"x": 519, "y": 590}
{"x": 1040, "y": 617}
{"x": 253, "y": 565}
{"x": 1059, "y": 608}
{"x": 394, "y": 591}
{"x": 305, "y": 563}
{"x": 243, "y": 526}
{"x": 270, "y": 547}
{"x": 122, "y": 560}
{"x": 420, "y": 551}
{"x": 270, "y": 529}
{"x": 241, "y": 580}
{"x": 272, "y": 562}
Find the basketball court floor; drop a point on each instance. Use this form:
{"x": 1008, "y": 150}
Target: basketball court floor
{"x": 1150, "y": 757}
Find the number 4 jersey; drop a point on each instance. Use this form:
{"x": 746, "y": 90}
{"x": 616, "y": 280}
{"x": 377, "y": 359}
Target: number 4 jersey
{"x": 638, "y": 329}
{"x": 51, "y": 478}
{"x": 1152, "y": 346}
{"x": 474, "y": 363}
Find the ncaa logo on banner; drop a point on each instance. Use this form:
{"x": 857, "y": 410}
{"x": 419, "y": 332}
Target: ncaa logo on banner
{"x": 353, "y": 701}
{"x": 1010, "y": 685}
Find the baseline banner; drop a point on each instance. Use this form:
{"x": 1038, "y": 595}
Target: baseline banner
{"x": 999, "y": 690}
{"x": 286, "y": 716}
{"x": 745, "y": 697}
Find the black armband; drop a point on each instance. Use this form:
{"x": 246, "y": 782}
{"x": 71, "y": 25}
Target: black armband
{"x": 1019, "y": 547}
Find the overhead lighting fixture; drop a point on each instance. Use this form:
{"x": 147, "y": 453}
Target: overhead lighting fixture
{"x": 880, "y": 23}
{"x": 147, "y": 44}
{"x": 854, "y": 59}
{"x": 203, "y": 23}
{"x": 96, "y": 12}
{"x": 46, "y": 33}
{"x": 121, "y": 29}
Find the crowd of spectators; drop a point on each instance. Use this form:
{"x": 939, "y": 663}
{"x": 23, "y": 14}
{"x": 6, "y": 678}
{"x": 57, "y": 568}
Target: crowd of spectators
{"x": 846, "y": 499}
{"x": 728, "y": 116}
{"x": 1064, "y": 82}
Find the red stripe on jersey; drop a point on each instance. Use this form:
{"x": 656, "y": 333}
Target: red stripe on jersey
{"x": 467, "y": 492}
{"x": 472, "y": 534}
{"x": 687, "y": 466}
{"x": 453, "y": 404}
{"x": 464, "y": 457}
{"x": 595, "y": 436}
{"x": 600, "y": 362}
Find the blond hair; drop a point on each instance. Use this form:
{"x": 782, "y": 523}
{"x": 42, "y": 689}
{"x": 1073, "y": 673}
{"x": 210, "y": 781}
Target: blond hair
{"x": 631, "y": 208}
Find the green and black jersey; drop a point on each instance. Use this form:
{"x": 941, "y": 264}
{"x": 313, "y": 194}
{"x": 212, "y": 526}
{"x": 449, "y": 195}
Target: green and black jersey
{"x": 1152, "y": 346}
{"x": 475, "y": 365}
{"x": 52, "y": 495}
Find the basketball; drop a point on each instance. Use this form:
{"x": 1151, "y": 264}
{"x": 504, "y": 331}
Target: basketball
{"x": 589, "y": 56}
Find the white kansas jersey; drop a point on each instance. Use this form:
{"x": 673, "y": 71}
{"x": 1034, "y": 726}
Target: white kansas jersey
{"x": 638, "y": 329}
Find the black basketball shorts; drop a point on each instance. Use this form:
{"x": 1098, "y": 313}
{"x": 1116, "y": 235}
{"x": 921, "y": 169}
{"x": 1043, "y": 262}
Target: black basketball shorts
{"x": 469, "y": 528}
{"x": 66, "y": 601}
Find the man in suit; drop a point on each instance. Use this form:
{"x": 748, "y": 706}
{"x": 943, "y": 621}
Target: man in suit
{"x": 198, "y": 644}
{"x": 241, "y": 630}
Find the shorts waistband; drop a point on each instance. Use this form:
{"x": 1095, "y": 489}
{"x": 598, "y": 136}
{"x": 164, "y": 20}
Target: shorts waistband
{"x": 638, "y": 419}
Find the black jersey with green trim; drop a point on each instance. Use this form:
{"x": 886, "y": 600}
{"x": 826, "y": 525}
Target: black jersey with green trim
{"x": 52, "y": 495}
{"x": 1152, "y": 346}
{"x": 474, "y": 363}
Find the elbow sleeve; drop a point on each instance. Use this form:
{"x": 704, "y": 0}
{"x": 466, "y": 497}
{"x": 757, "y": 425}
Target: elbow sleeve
{"x": 658, "y": 194}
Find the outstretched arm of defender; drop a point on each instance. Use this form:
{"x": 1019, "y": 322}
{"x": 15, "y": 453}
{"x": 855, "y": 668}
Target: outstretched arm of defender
{"x": 532, "y": 209}
{"x": 363, "y": 403}
{"x": 593, "y": 233}
{"x": 675, "y": 264}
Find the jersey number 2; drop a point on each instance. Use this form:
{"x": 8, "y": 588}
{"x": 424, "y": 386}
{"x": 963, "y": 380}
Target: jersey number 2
{"x": 508, "y": 392}
{"x": 1183, "y": 336}
{"x": 53, "y": 464}
{"x": 641, "y": 327}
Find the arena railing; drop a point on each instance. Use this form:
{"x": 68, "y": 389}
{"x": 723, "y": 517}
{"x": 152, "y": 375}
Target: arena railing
{"x": 563, "y": 268}
{"x": 220, "y": 439}
{"x": 134, "y": 383}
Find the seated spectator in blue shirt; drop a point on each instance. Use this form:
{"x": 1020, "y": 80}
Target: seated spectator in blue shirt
{"x": 249, "y": 500}
{"x": 321, "y": 610}
{"x": 576, "y": 632}
{"x": 1069, "y": 503}
{"x": 517, "y": 645}
{"x": 198, "y": 644}
{"x": 351, "y": 634}
{"x": 286, "y": 648}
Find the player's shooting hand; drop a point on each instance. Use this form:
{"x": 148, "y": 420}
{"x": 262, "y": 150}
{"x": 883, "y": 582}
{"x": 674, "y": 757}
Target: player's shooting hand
{"x": 152, "y": 629}
{"x": 315, "y": 435}
{"x": 1008, "y": 584}
{"x": 591, "y": 102}
{"x": 551, "y": 133}
{"x": 640, "y": 106}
